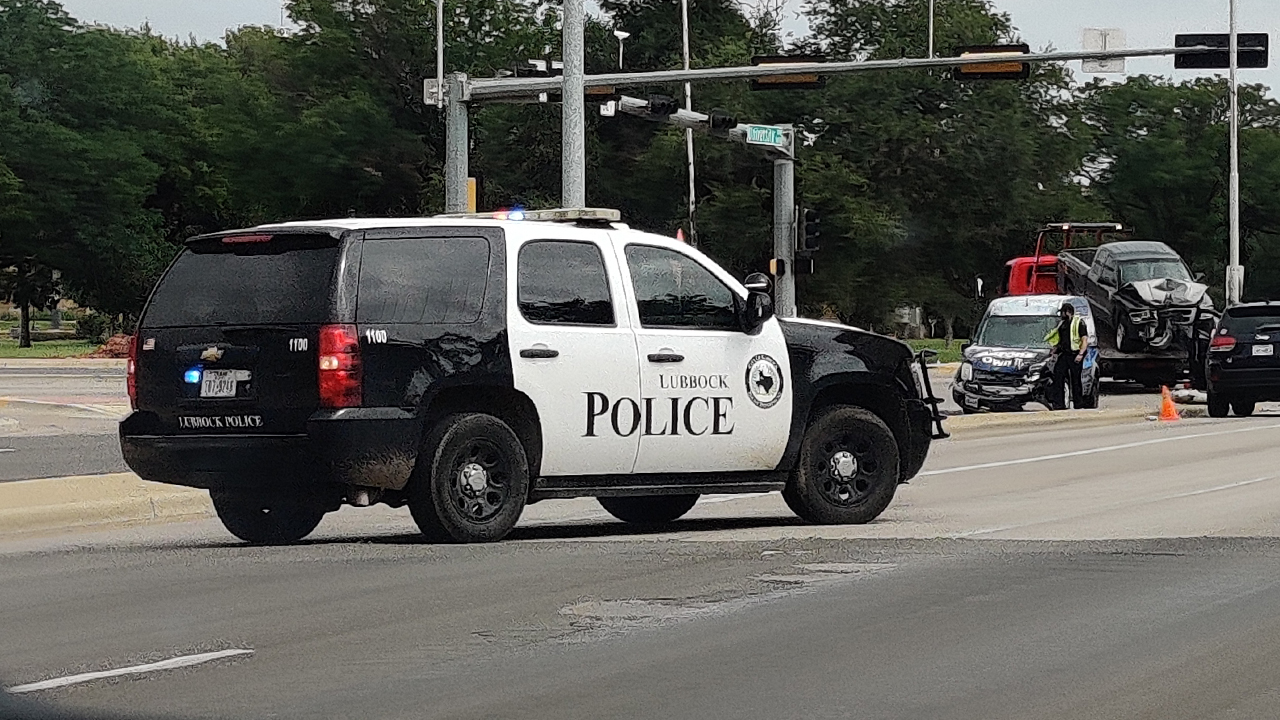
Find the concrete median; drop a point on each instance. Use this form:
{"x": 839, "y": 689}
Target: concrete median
{"x": 992, "y": 424}
{"x": 88, "y": 501}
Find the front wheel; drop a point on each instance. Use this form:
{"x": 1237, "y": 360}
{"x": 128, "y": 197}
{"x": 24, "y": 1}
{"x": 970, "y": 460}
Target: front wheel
{"x": 847, "y": 471}
{"x": 1218, "y": 405}
{"x": 266, "y": 518}
{"x": 1123, "y": 341}
{"x": 472, "y": 480}
{"x": 649, "y": 510}
{"x": 1243, "y": 408}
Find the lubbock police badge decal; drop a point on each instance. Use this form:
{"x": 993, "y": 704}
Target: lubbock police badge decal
{"x": 764, "y": 381}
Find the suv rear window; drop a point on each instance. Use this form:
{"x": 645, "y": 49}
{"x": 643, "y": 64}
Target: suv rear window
{"x": 1250, "y": 319}
{"x": 284, "y": 280}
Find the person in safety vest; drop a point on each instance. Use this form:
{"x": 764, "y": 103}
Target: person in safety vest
{"x": 1070, "y": 342}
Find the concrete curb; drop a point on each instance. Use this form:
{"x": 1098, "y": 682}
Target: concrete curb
{"x": 20, "y": 363}
{"x": 91, "y": 501}
{"x": 992, "y": 424}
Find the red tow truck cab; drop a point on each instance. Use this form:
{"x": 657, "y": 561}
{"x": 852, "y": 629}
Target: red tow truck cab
{"x": 1038, "y": 274}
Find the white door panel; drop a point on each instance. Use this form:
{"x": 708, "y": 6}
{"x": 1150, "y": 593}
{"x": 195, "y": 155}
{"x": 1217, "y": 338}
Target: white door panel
{"x": 585, "y": 393}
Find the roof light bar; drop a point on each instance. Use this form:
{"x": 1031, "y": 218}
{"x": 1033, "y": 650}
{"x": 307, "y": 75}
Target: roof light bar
{"x": 552, "y": 215}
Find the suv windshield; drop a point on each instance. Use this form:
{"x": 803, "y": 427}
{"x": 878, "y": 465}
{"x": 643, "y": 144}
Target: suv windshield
{"x": 286, "y": 280}
{"x": 1016, "y": 331}
{"x": 1140, "y": 270}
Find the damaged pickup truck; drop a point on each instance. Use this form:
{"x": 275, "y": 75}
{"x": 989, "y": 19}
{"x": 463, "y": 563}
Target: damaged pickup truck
{"x": 1141, "y": 290}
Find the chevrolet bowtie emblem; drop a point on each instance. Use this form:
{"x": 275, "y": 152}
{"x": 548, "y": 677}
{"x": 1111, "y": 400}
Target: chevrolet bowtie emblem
{"x": 212, "y": 354}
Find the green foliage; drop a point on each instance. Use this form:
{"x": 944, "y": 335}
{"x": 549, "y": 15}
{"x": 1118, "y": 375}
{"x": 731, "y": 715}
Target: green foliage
{"x": 117, "y": 145}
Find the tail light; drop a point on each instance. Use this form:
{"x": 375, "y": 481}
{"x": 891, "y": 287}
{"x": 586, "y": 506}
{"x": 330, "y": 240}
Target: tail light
{"x": 1222, "y": 343}
{"x": 131, "y": 371}
{"x": 340, "y": 378}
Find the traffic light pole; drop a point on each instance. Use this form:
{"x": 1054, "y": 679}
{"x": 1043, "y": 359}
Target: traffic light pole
{"x": 784, "y": 235}
{"x": 456, "y": 144}
{"x": 1235, "y": 272}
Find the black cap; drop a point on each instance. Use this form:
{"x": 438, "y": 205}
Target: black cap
{"x": 1068, "y": 307}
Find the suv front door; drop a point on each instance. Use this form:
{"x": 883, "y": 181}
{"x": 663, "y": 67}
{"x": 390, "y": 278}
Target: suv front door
{"x": 574, "y": 354}
{"x": 713, "y": 397}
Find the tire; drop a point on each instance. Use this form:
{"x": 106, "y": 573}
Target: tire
{"x": 1218, "y": 405}
{"x": 649, "y": 510}
{"x": 1123, "y": 342}
{"x": 1090, "y": 401}
{"x": 266, "y": 518}
{"x": 1243, "y": 408}
{"x": 472, "y": 480}
{"x": 820, "y": 492}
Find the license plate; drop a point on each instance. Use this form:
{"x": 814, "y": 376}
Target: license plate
{"x": 1264, "y": 349}
{"x": 971, "y": 401}
{"x": 218, "y": 384}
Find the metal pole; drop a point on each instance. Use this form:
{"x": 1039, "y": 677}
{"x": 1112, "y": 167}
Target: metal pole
{"x": 439, "y": 51}
{"x": 1235, "y": 272}
{"x": 931, "y": 2}
{"x": 688, "y": 133}
{"x": 573, "y": 108}
{"x": 784, "y": 241}
{"x": 619, "y": 53}
{"x": 456, "y": 145}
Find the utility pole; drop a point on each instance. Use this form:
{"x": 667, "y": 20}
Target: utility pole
{"x": 784, "y": 232}
{"x": 688, "y": 133}
{"x": 573, "y": 110}
{"x": 440, "y": 51}
{"x": 1235, "y": 271}
{"x": 456, "y": 144}
{"x": 931, "y": 3}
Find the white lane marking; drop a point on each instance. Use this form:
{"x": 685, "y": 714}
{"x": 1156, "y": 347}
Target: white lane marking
{"x": 1113, "y": 506}
{"x": 1228, "y": 486}
{"x": 87, "y": 408}
{"x": 171, "y": 664}
{"x": 4, "y": 450}
{"x": 1094, "y": 451}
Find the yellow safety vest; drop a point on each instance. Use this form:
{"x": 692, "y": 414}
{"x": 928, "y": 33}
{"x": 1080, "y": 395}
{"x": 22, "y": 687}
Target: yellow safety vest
{"x": 1076, "y": 323}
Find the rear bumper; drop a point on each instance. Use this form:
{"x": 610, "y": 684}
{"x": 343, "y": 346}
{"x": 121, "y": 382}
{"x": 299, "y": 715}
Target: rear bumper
{"x": 1261, "y": 383}
{"x": 371, "y": 447}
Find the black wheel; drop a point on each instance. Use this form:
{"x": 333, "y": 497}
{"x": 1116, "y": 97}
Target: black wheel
{"x": 1218, "y": 405}
{"x": 847, "y": 471}
{"x": 471, "y": 482}
{"x": 650, "y": 510}
{"x": 266, "y": 519}
{"x": 1243, "y": 408}
{"x": 1090, "y": 400}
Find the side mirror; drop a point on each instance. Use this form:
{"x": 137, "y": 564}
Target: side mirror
{"x": 965, "y": 346}
{"x": 757, "y": 282}
{"x": 1198, "y": 277}
{"x": 756, "y": 311}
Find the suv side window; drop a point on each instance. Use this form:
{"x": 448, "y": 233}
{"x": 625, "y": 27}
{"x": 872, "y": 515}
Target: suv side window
{"x": 674, "y": 291}
{"x": 562, "y": 282}
{"x": 428, "y": 281}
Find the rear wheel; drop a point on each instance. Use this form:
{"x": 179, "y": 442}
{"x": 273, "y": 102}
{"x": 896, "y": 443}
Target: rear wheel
{"x": 266, "y": 518}
{"x": 1218, "y": 405}
{"x": 472, "y": 480}
{"x": 847, "y": 471}
{"x": 649, "y": 510}
{"x": 1243, "y": 408}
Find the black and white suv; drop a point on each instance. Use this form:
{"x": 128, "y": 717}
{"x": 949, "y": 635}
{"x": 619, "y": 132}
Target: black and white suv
{"x": 466, "y": 367}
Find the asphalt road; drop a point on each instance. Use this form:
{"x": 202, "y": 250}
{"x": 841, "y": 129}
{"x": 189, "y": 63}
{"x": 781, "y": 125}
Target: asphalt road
{"x": 1122, "y": 572}
{"x": 45, "y": 456}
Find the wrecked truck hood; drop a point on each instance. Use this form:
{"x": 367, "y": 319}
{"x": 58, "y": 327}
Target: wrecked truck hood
{"x": 1166, "y": 291}
{"x": 1005, "y": 360}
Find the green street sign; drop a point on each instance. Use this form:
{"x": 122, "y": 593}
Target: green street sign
{"x": 766, "y": 135}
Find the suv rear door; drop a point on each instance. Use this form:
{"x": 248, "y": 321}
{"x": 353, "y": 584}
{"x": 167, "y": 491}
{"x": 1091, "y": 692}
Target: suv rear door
{"x": 227, "y": 343}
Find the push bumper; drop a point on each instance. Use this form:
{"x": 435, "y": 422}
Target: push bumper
{"x": 369, "y": 447}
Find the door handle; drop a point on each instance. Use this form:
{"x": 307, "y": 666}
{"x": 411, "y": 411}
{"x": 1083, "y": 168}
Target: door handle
{"x": 539, "y": 353}
{"x": 664, "y": 357}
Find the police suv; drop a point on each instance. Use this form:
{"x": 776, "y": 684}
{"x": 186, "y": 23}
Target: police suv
{"x": 465, "y": 367}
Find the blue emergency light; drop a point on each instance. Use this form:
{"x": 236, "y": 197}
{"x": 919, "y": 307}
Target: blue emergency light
{"x": 192, "y": 376}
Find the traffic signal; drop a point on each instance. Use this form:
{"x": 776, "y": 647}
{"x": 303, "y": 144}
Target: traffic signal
{"x": 810, "y": 230}
{"x": 1252, "y": 51}
{"x": 799, "y": 81}
{"x": 1012, "y": 70}
{"x": 777, "y": 267}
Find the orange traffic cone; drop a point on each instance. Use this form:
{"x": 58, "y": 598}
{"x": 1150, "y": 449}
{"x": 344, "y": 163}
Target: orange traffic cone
{"x": 680, "y": 234}
{"x": 1168, "y": 412}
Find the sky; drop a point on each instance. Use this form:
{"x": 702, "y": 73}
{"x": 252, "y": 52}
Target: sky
{"x": 1042, "y": 23}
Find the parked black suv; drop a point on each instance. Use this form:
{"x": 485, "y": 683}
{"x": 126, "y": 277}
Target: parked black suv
{"x": 464, "y": 367}
{"x": 1243, "y": 364}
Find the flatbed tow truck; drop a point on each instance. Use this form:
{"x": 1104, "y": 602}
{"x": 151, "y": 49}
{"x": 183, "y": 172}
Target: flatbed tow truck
{"x": 1041, "y": 273}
